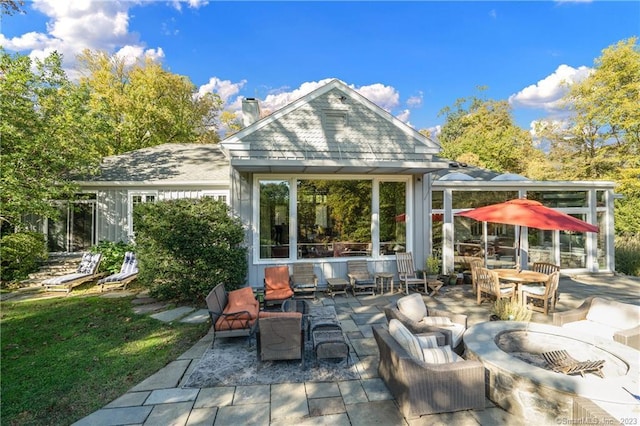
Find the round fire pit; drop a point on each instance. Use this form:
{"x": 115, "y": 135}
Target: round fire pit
{"x": 523, "y": 383}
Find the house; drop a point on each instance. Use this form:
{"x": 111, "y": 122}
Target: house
{"x": 333, "y": 176}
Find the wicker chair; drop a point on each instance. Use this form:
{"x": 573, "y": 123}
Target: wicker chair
{"x": 280, "y": 336}
{"x": 541, "y": 296}
{"x": 421, "y": 388}
{"x": 489, "y": 284}
{"x": 391, "y": 311}
{"x": 360, "y": 279}
{"x": 277, "y": 286}
{"x": 304, "y": 281}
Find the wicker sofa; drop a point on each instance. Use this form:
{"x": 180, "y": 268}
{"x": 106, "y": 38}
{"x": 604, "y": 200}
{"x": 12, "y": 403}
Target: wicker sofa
{"x": 453, "y": 333}
{"x": 233, "y": 313}
{"x": 605, "y": 318}
{"x": 422, "y": 388}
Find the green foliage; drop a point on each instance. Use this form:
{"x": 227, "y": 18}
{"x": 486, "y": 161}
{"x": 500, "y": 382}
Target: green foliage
{"x": 432, "y": 265}
{"x": 483, "y": 133}
{"x": 508, "y": 310}
{"x": 186, "y": 247}
{"x": 21, "y": 254}
{"x": 628, "y": 254}
{"x": 142, "y": 105}
{"x": 112, "y": 255}
{"x": 65, "y": 358}
{"x": 43, "y": 136}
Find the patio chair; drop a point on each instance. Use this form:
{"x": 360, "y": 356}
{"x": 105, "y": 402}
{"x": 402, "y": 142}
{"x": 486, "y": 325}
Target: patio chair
{"x": 280, "y": 336}
{"x": 128, "y": 272}
{"x": 303, "y": 280}
{"x": 407, "y": 273}
{"x": 489, "y": 284}
{"x": 548, "y": 268}
{"x": 87, "y": 272}
{"x": 541, "y": 296}
{"x": 475, "y": 265}
{"x": 426, "y": 388}
{"x": 277, "y": 286}
{"x": 234, "y": 313}
{"x": 360, "y": 279}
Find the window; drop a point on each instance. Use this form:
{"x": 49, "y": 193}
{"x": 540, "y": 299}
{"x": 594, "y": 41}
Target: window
{"x": 138, "y": 198}
{"x": 320, "y": 218}
{"x": 217, "y": 195}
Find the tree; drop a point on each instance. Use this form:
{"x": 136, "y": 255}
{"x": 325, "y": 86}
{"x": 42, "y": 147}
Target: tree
{"x": 44, "y": 138}
{"x": 141, "y": 105}
{"x": 9, "y": 7}
{"x": 483, "y": 133}
{"x": 601, "y": 138}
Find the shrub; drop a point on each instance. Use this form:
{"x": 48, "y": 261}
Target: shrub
{"x": 508, "y": 310}
{"x": 21, "y": 254}
{"x": 112, "y": 255}
{"x": 186, "y": 247}
{"x": 628, "y": 254}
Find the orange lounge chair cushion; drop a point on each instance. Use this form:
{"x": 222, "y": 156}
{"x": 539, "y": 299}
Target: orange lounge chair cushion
{"x": 268, "y": 314}
{"x": 247, "y": 307}
{"x": 276, "y": 283}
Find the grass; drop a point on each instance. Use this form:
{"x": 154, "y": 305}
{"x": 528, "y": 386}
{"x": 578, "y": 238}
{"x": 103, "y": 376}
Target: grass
{"x": 64, "y": 358}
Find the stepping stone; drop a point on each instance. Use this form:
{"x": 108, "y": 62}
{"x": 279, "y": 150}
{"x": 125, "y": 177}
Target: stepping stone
{"x": 145, "y": 309}
{"x": 199, "y": 316}
{"x": 143, "y": 300}
{"x": 173, "y": 314}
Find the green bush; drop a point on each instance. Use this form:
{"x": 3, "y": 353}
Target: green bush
{"x": 628, "y": 254}
{"x": 186, "y": 247}
{"x": 21, "y": 254}
{"x": 112, "y": 255}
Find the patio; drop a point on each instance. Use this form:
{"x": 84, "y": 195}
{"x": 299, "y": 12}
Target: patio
{"x": 162, "y": 399}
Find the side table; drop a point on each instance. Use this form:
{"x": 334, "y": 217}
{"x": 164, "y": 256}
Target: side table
{"x": 383, "y": 278}
{"x": 337, "y": 286}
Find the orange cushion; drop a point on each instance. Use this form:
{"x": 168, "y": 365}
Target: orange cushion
{"x": 276, "y": 277}
{"x": 278, "y": 294}
{"x": 268, "y": 314}
{"x": 224, "y": 323}
{"x": 241, "y": 297}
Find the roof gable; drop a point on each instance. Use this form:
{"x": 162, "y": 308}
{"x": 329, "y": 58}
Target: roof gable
{"x": 332, "y": 123}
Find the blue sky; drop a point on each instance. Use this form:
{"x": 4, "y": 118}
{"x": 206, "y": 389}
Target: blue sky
{"x": 411, "y": 58}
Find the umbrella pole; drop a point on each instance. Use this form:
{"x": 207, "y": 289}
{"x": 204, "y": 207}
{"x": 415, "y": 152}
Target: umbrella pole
{"x": 486, "y": 245}
{"x": 519, "y": 231}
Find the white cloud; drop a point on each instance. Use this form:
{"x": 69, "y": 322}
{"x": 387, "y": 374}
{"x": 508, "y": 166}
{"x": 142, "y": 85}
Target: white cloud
{"x": 547, "y": 93}
{"x": 415, "y": 101}
{"x": 225, "y": 89}
{"x": 83, "y": 24}
{"x": 404, "y": 116}
{"x": 386, "y": 97}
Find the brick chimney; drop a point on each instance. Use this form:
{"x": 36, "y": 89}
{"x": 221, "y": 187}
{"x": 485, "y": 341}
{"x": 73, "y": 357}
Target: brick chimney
{"x": 250, "y": 111}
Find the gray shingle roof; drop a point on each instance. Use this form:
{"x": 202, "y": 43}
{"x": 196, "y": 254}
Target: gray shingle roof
{"x": 168, "y": 163}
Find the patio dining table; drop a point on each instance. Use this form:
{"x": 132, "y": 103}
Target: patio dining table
{"x": 521, "y": 277}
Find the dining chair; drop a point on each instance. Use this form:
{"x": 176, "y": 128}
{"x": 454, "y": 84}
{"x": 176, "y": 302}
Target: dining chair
{"x": 475, "y": 265}
{"x": 547, "y": 268}
{"x": 542, "y": 297}
{"x": 490, "y": 285}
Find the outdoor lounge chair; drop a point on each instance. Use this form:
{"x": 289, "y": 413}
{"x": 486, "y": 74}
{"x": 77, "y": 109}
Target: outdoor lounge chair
{"x": 234, "y": 313}
{"x": 361, "y": 280}
{"x": 277, "y": 286}
{"x": 303, "y": 280}
{"x": 425, "y": 388}
{"x": 87, "y": 271}
{"x": 128, "y": 272}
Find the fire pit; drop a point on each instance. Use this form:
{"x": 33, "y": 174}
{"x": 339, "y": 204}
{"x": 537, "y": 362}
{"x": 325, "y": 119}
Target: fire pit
{"x": 522, "y": 382}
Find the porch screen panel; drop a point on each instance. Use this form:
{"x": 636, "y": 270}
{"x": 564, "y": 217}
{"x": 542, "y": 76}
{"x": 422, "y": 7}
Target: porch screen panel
{"x": 334, "y": 218}
{"x": 393, "y": 226}
{"x": 274, "y": 219}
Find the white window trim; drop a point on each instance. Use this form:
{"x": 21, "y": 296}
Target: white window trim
{"x": 216, "y": 194}
{"x": 132, "y": 194}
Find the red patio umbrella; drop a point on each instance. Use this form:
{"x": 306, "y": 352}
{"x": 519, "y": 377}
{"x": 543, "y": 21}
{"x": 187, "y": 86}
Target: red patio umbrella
{"x": 529, "y": 213}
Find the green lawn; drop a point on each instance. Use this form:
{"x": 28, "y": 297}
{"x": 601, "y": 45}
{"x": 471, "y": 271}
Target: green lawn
{"x": 66, "y": 357}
